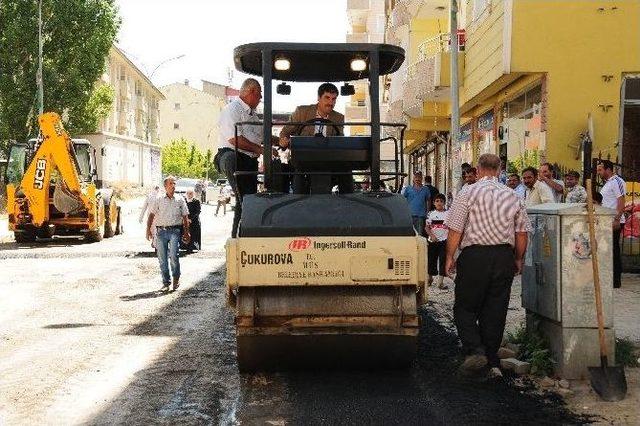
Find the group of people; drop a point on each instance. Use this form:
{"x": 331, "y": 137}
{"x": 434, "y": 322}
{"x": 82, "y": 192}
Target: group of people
{"x": 484, "y": 246}
{"x": 173, "y": 223}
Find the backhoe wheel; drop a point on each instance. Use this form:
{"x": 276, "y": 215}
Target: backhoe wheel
{"x": 111, "y": 219}
{"x": 24, "y": 237}
{"x": 97, "y": 235}
{"x": 119, "y": 227}
{"x": 46, "y": 231}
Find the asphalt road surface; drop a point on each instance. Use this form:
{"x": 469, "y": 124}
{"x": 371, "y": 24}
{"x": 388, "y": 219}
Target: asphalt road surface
{"x": 86, "y": 338}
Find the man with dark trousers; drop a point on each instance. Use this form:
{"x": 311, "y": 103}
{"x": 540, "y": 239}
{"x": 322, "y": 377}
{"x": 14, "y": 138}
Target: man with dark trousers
{"x": 613, "y": 196}
{"x": 248, "y": 144}
{"x": 490, "y": 226}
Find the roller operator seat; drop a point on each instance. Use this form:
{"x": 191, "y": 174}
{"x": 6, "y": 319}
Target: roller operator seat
{"x": 332, "y": 155}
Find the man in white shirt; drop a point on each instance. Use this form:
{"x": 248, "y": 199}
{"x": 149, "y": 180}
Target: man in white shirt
{"x": 536, "y": 192}
{"x": 557, "y": 186}
{"x": 248, "y": 142}
{"x": 146, "y": 208}
{"x": 613, "y": 197}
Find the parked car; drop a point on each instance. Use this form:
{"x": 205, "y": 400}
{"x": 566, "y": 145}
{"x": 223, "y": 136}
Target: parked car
{"x": 185, "y": 184}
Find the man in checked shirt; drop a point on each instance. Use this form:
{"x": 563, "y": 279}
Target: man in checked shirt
{"x": 490, "y": 226}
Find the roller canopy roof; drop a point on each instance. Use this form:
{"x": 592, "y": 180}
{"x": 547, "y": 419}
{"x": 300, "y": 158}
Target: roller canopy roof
{"x": 317, "y": 62}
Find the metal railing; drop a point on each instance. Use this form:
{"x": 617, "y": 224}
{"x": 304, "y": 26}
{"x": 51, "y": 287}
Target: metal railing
{"x": 397, "y": 176}
{"x": 433, "y": 46}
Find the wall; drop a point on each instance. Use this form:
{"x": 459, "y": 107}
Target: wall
{"x": 576, "y": 44}
{"x": 121, "y": 158}
{"x": 484, "y": 49}
{"x": 197, "y": 116}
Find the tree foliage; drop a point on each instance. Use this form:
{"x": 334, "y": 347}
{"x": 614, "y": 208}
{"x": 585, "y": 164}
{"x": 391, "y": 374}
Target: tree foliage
{"x": 77, "y": 36}
{"x": 183, "y": 158}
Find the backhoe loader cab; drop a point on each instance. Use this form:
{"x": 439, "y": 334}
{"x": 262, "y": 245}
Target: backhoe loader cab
{"x": 323, "y": 279}
{"x": 51, "y": 188}
{"x": 20, "y": 155}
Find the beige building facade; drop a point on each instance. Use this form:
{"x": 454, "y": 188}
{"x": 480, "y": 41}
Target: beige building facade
{"x": 191, "y": 114}
{"x": 367, "y": 22}
{"x": 126, "y": 146}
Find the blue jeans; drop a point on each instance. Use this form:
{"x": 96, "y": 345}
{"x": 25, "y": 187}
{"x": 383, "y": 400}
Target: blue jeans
{"x": 168, "y": 241}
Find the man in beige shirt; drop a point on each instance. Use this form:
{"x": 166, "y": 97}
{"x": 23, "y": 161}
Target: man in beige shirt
{"x": 323, "y": 121}
{"x": 536, "y": 192}
{"x": 321, "y": 111}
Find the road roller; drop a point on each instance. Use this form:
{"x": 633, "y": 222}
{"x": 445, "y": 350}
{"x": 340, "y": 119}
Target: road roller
{"x": 320, "y": 277}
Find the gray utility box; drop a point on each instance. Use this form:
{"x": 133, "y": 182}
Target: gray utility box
{"x": 557, "y": 284}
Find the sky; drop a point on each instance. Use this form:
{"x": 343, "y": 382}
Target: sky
{"x": 206, "y": 32}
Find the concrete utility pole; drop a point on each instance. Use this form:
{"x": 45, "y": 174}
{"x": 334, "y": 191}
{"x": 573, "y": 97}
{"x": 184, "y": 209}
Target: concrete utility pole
{"x": 39, "y": 80}
{"x": 455, "y": 99}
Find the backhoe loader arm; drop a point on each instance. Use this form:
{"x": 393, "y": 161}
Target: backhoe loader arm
{"x": 55, "y": 151}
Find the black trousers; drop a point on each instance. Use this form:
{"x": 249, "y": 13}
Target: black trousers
{"x": 436, "y": 253}
{"x": 483, "y": 287}
{"x": 617, "y": 260}
{"x": 242, "y": 185}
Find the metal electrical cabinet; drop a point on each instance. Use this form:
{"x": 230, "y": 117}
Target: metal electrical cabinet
{"x": 557, "y": 283}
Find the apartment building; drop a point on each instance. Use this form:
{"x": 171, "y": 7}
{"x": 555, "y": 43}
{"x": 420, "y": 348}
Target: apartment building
{"x": 192, "y": 114}
{"x": 126, "y": 146}
{"x": 367, "y": 22}
{"x": 531, "y": 73}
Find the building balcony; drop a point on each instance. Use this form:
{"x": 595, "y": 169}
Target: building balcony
{"x": 358, "y": 38}
{"x": 430, "y": 76}
{"x": 353, "y": 5}
{"x": 356, "y": 113}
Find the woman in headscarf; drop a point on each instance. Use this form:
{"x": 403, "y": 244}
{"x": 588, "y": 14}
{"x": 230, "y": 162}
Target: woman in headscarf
{"x": 193, "y": 204}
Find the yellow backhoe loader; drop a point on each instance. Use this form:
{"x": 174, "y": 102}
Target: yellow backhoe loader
{"x": 51, "y": 188}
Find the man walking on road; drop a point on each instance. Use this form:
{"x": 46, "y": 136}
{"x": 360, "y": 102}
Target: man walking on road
{"x": 613, "y": 193}
{"x": 172, "y": 218}
{"x": 490, "y": 225}
{"x": 418, "y": 197}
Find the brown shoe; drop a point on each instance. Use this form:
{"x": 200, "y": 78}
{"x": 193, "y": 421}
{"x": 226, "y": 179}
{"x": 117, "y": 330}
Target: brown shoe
{"x": 176, "y": 283}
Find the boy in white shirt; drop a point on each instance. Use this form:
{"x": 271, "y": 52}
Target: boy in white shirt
{"x": 437, "y": 232}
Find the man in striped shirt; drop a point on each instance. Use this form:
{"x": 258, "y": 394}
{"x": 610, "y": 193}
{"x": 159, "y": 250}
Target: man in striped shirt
{"x": 490, "y": 225}
{"x": 613, "y": 193}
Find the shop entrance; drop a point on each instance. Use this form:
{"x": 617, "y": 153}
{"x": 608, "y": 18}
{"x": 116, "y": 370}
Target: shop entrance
{"x": 630, "y": 127}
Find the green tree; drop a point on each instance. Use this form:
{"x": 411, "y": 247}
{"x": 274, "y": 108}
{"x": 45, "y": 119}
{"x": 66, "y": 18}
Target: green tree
{"x": 77, "y": 36}
{"x": 182, "y": 158}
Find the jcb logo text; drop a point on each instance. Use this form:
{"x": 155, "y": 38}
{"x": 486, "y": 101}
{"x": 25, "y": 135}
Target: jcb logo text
{"x": 38, "y": 180}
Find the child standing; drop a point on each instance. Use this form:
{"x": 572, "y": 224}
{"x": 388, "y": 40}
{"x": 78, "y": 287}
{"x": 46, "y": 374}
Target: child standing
{"x": 437, "y": 232}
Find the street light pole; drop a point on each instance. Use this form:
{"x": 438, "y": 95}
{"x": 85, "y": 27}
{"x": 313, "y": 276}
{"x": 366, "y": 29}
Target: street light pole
{"x": 39, "y": 79}
{"x": 164, "y": 62}
{"x": 455, "y": 99}
{"x": 151, "y": 75}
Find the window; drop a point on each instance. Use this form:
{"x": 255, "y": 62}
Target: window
{"x": 362, "y": 103}
{"x": 176, "y": 126}
{"x": 176, "y": 106}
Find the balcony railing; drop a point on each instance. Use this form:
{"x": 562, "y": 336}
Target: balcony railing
{"x": 433, "y": 46}
{"x": 358, "y": 38}
{"x": 357, "y": 4}
{"x": 356, "y": 113}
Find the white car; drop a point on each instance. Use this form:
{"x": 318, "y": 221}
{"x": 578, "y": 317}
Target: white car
{"x": 185, "y": 184}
